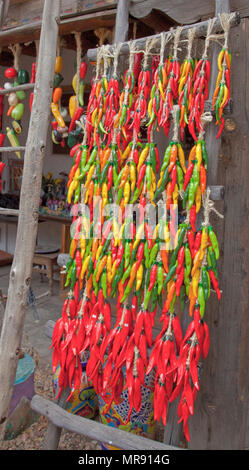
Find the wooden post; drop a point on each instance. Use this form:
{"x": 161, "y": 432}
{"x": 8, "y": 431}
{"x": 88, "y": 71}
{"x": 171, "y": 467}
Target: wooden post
{"x": 20, "y": 274}
{"x": 220, "y": 420}
{"x": 122, "y": 21}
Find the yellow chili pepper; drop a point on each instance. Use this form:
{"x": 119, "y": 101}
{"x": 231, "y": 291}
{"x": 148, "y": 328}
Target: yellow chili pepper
{"x": 99, "y": 250}
{"x": 101, "y": 266}
{"x": 109, "y": 268}
{"x": 142, "y": 157}
{"x": 85, "y": 266}
{"x": 127, "y": 191}
{"x": 58, "y": 64}
{"x": 133, "y": 177}
{"x": 139, "y": 277}
{"x": 181, "y": 157}
{"x": 82, "y": 245}
{"x": 175, "y": 194}
{"x": 57, "y": 115}
{"x": 195, "y": 282}
{"x": 198, "y": 199}
{"x": 198, "y": 155}
{"x": 72, "y": 105}
{"x": 89, "y": 175}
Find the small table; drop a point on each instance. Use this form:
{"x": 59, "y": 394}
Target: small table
{"x": 49, "y": 260}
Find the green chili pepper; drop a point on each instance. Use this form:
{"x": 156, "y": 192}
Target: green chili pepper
{"x": 160, "y": 273}
{"x": 188, "y": 259}
{"x": 146, "y": 255}
{"x": 137, "y": 193}
{"x": 214, "y": 242}
{"x": 147, "y": 298}
{"x": 191, "y": 193}
{"x": 172, "y": 305}
{"x": 180, "y": 177}
{"x": 127, "y": 253}
{"x": 201, "y": 299}
{"x": 154, "y": 297}
{"x": 186, "y": 282}
{"x": 204, "y": 153}
{"x": 205, "y": 282}
{"x": 185, "y": 198}
{"x": 103, "y": 283}
{"x": 163, "y": 184}
{"x": 123, "y": 115}
{"x": 153, "y": 253}
{"x": 211, "y": 259}
{"x": 179, "y": 244}
{"x": 153, "y": 156}
{"x": 73, "y": 275}
{"x": 120, "y": 194}
{"x": 148, "y": 175}
{"x": 170, "y": 274}
{"x": 182, "y": 297}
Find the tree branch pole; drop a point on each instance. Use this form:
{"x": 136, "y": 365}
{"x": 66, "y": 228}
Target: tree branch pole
{"x": 21, "y": 270}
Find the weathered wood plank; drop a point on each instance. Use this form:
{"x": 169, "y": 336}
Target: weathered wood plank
{"x": 221, "y": 410}
{"x": 95, "y": 430}
{"x": 21, "y": 270}
{"x": 31, "y": 31}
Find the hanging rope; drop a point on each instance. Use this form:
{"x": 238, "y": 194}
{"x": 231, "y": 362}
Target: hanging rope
{"x": 77, "y": 36}
{"x": 16, "y": 50}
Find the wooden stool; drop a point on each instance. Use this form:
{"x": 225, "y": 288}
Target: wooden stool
{"x": 49, "y": 260}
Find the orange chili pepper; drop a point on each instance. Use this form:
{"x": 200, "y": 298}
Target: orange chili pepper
{"x": 101, "y": 267}
{"x": 164, "y": 256}
{"x": 203, "y": 178}
{"x": 89, "y": 284}
{"x": 170, "y": 295}
{"x": 95, "y": 246}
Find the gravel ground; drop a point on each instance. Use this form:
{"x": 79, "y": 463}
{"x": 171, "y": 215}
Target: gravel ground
{"x": 32, "y": 437}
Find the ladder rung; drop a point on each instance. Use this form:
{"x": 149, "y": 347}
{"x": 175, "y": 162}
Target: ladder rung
{"x": 6, "y": 211}
{"x": 12, "y": 149}
{"x": 26, "y": 86}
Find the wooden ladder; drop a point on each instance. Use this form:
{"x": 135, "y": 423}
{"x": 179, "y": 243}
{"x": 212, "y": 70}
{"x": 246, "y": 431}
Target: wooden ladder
{"x": 21, "y": 270}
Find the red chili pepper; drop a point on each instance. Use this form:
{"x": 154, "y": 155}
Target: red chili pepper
{"x": 77, "y": 114}
{"x": 179, "y": 281}
{"x": 83, "y": 70}
{"x": 120, "y": 254}
{"x": 153, "y": 275}
{"x": 109, "y": 177}
{"x": 188, "y": 175}
{"x": 141, "y": 175}
{"x": 106, "y": 231}
{"x": 215, "y": 283}
{"x": 180, "y": 259}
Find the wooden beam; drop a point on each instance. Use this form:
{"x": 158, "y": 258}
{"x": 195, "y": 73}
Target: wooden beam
{"x": 95, "y": 430}
{"x": 31, "y": 31}
{"x": 21, "y": 270}
{"x": 201, "y": 29}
